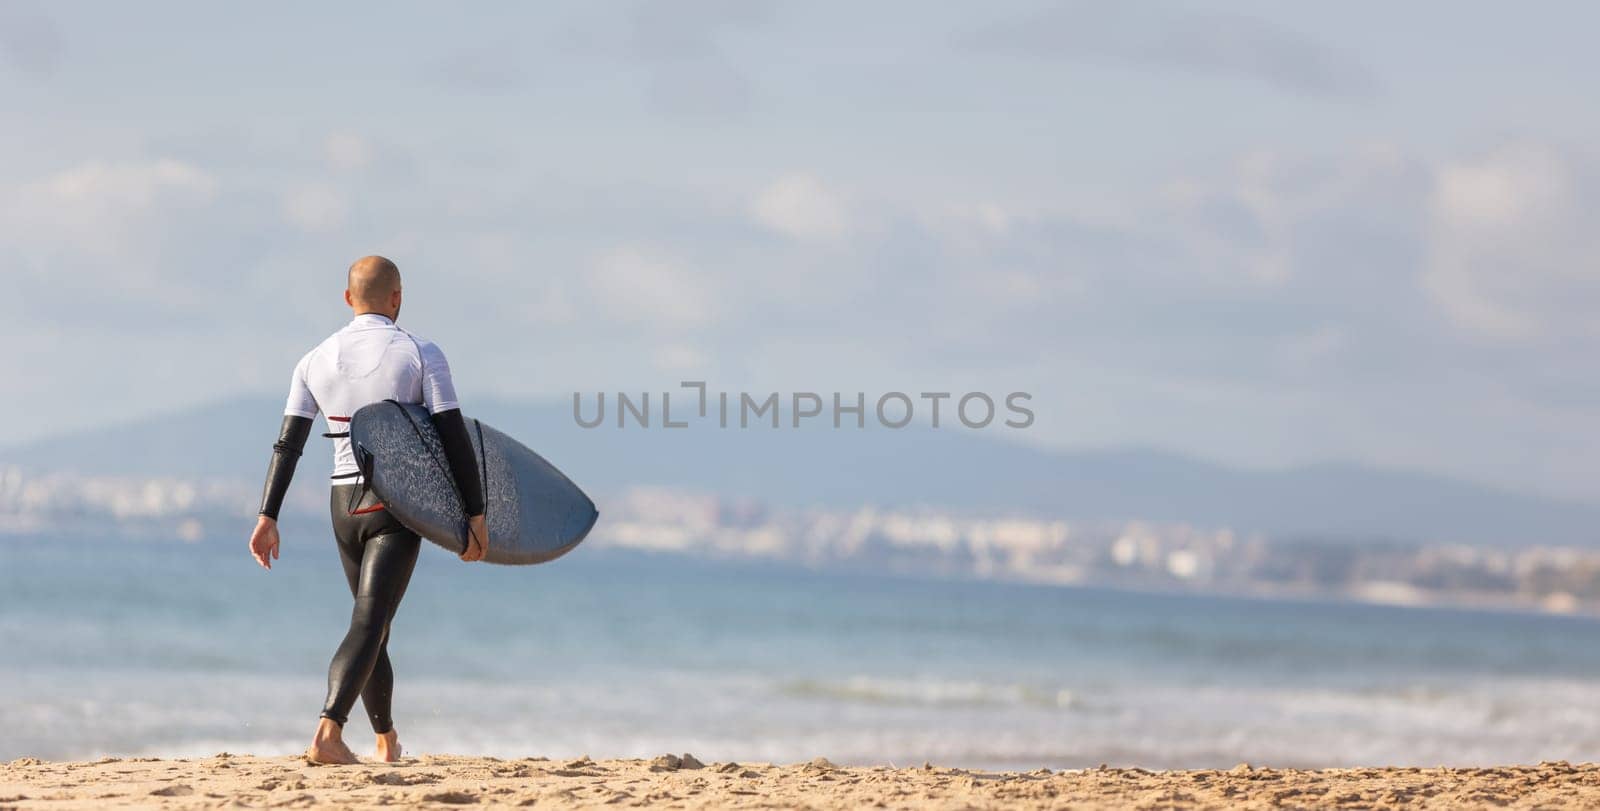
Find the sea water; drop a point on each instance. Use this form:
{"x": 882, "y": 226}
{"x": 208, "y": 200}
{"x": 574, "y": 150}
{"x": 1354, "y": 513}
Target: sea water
{"x": 144, "y": 648}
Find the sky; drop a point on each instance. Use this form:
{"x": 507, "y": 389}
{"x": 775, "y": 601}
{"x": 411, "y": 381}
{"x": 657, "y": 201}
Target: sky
{"x": 1264, "y": 234}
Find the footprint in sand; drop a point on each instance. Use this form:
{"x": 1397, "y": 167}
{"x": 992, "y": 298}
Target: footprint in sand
{"x": 403, "y": 779}
{"x": 175, "y": 790}
{"x": 451, "y": 798}
{"x": 515, "y": 771}
{"x": 274, "y": 783}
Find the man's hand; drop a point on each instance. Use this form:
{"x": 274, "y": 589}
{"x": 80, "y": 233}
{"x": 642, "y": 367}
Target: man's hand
{"x": 264, "y": 541}
{"x": 477, "y": 539}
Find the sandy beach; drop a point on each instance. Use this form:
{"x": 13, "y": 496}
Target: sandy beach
{"x": 673, "y": 781}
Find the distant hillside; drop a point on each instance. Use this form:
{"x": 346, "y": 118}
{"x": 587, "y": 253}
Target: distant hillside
{"x": 953, "y": 468}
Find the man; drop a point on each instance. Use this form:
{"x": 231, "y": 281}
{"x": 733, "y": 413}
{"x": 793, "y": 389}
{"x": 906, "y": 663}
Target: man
{"x": 368, "y": 361}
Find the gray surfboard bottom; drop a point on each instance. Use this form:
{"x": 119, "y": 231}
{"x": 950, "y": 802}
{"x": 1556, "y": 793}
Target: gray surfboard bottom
{"x": 533, "y": 511}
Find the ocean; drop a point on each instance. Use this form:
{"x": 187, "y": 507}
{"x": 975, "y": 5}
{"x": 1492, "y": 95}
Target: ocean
{"x": 170, "y": 649}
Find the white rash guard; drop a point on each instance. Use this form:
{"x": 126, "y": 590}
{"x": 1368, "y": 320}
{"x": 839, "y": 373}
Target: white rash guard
{"x": 369, "y": 361}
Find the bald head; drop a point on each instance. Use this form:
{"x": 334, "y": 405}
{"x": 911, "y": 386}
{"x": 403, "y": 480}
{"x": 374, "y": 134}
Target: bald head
{"x": 374, "y": 286}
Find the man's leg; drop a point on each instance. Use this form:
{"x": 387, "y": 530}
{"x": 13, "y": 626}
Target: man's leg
{"x": 378, "y": 693}
{"x": 379, "y": 690}
{"x": 386, "y": 565}
{"x": 328, "y": 746}
{"x": 377, "y": 554}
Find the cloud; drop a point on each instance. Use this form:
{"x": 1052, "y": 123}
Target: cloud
{"x": 689, "y": 71}
{"x": 30, "y": 42}
{"x": 484, "y": 68}
{"x": 1515, "y": 244}
{"x": 347, "y": 152}
{"x": 1351, "y": 271}
{"x": 1277, "y": 216}
{"x": 1371, "y": 302}
{"x": 125, "y": 186}
{"x": 1173, "y": 37}
{"x": 688, "y": 30}
{"x": 1281, "y": 304}
{"x": 316, "y": 207}
{"x": 679, "y": 58}
{"x": 680, "y": 359}
{"x": 157, "y": 245}
{"x": 105, "y": 209}
{"x": 638, "y": 287}
{"x": 801, "y": 207}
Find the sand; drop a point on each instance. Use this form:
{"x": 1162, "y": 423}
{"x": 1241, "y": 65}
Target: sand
{"x": 446, "y": 781}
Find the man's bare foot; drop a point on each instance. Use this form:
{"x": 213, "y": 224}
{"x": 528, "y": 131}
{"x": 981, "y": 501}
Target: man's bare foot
{"x": 328, "y": 748}
{"x": 389, "y": 747}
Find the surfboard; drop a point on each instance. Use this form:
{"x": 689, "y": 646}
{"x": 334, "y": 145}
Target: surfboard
{"x": 534, "y": 512}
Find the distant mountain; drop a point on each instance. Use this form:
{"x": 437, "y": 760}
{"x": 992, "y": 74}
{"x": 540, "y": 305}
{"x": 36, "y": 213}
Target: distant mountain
{"x": 950, "y": 467}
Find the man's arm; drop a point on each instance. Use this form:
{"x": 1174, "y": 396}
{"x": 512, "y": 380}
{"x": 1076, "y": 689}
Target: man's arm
{"x": 439, "y": 397}
{"x": 285, "y": 455}
{"x": 463, "y": 462}
{"x": 298, "y": 411}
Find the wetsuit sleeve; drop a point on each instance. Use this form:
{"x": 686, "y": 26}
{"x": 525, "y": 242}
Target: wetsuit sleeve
{"x": 463, "y": 462}
{"x": 285, "y": 454}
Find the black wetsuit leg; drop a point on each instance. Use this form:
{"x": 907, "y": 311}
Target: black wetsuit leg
{"x": 378, "y": 555}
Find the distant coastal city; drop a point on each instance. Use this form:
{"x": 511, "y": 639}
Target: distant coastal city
{"x": 916, "y": 542}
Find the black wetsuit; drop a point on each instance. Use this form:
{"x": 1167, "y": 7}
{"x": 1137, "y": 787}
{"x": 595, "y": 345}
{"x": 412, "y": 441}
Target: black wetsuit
{"x": 378, "y": 555}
